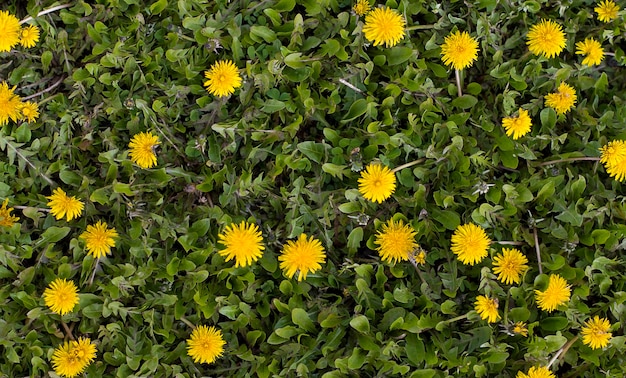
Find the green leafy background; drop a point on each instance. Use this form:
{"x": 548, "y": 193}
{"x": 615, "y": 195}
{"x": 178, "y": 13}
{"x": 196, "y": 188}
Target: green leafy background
{"x": 317, "y": 103}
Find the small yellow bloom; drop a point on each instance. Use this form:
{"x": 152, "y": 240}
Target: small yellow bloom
{"x": 596, "y": 332}
{"x": 62, "y": 205}
{"x": 9, "y": 31}
{"x": 10, "y": 103}
{"x": 302, "y": 256}
{"x": 205, "y": 344}
{"x": 377, "y": 183}
{"x": 520, "y": 329}
{"x": 72, "y": 358}
{"x": 361, "y": 7}
{"x": 30, "y": 111}
{"x": 536, "y": 372}
{"x": 396, "y": 241}
{"x": 607, "y": 10}
{"x": 6, "y": 219}
{"x": 487, "y": 308}
{"x": 61, "y": 296}
{"x": 418, "y": 255}
{"x": 384, "y": 26}
{"x": 557, "y": 293}
{"x": 459, "y": 50}
{"x": 563, "y": 100}
{"x": 222, "y": 78}
{"x": 613, "y": 156}
{"x": 593, "y": 51}
{"x": 142, "y": 147}
{"x": 243, "y": 242}
{"x": 470, "y": 243}
{"x": 510, "y": 265}
{"x": 29, "y": 36}
{"x": 99, "y": 239}
{"x": 517, "y": 126}
{"x": 546, "y": 38}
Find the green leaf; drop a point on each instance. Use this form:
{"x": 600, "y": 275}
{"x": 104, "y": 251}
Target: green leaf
{"x": 357, "y": 109}
{"x": 465, "y": 102}
{"x": 555, "y": 323}
{"x": 272, "y": 106}
{"x": 312, "y": 150}
{"x": 360, "y": 323}
{"x": 300, "y": 318}
{"x": 449, "y": 219}
{"x": 264, "y": 32}
{"x": 548, "y": 118}
{"x": 54, "y": 234}
{"x": 399, "y": 55}
{"x": 354, "y": 239}
{"x": 158, "y": 6}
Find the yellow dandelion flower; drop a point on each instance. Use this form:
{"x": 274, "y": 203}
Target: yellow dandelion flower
{"x": 520, "y": 329}
{"x": 546, "y": 38}
{"x": 6, "y": 219}
{"x": 396, "y": 241}
{"x": 142, "y": 147}
{"x": 510, "y": 265}
{"x": 10, "y": 103}
{"x": 29, "y": 36}
{"x": 361, "y": 7}
{"x": 384, "y": 26}
{"x": 596, "y": 332}
{"x": 61, "y": 296}
{"x": 459, "y": 50}
{"x": 302, "y": 256}
{"x": 377, "y": 183}
{"x": 557, "y": 293}
{"x": 593, "y": 51}
{"x": 470, "y": 243}
{"x": 222, "y": 78}
{"x": 243, "y": 242}
{"x": 99, "y": 239}
{"x": 418, "y": 255}
{"x": 563, "y": 100}
{"x": 9, "y": 31}
{"x": 205, "y": 345}
{"x": 613, "y": 156}
{"x": 62, "y": 205}
{"x": 72, "y": 358}
{"x": 487, "y": 308}
{"x": 536, "y": 372}
{"x": 30, "y": 111}
{"x": 607, "y": 10}
{"x": 517, "y": 126}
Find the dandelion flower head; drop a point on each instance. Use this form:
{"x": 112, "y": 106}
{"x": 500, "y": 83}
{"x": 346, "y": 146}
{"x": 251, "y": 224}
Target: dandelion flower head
{"x": 510, "y": 265}
{"x": 607, "y": 10}
{"x": 536, "y": 372}
{"x": 613, "y": 156}
{"x": 396, "y": 241}
{"x": 377, "y": 183}
{"x": 205, "y": 344}
{"x": 142, "y": 147}
{"x": 596, "y": 332}
{"x": 563, "y": 100}
{"x": 470, "y": 243}
{"x": 487, "y": 308}
{"x": 302, "y": 256}
{"x": 61, "y": 296}
{"x": 72, "y": 358}
{"x": 222, "y": 78}
{"x": 520, "y": 329}
{"x": 418, "y": 255}
{"x": 517, "y": 126}
{"x": 459, "y": 50}
{"x": 30, "y": 111}
{"x": 546, "y": 38}
{"x": 592, "y": 49}
{"x": 384, "y": 26}
{"x": 10, "y": 104}
{"x": 62, "y": 205}
{"x": 243, "y": 242}
{"x": 6, "y": 219}
{"x": 557, "y": 293}
{"x": 9, "y": 31}
{"x": 99, "y": 239}
{"x": 361, "y": 7}
{"x": 29, "y": 36}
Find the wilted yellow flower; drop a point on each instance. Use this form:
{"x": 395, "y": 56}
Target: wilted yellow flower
{"x": 6, "y": 219}
{"x": 607, "y": 10}
{"x": 205, "y": 344}
{"x": 72, "y": 358}
{"x": 361, "y": 7}
{"x": 520, "y": 329}
{"x": 243, "y": 242}
{"x": 377, "y": 183}
{"x": 61, "y": 205}
{"x": 99, "y": 239}
{"x": 517, "y": 126}
{"x": 222, "y": 78}
{"x": 302, "y": 256}
{"x": 61, "y": 296}
{"x": 536, "y": 372}
{"x": 29, "y": 36}
{"x": 596, "y": 332}
{"x": 142, "y": 147}
{"x": 613, "y": 156}
{"x": 459, "y": 50}
{"x": 10, "y": 103}
{"x": 470, "y": 243}
{"x": 557, "y": 293}
{"x": 487, "y": 308}
{"x": 546, "y": 38}
{"x": 510, "y": 265}
{"x": 384, "y": 26}
{"x": 30, "y": 111}
{"x": 563, "y": 100}
{"x": 593, "y": 51}
{"x": 396, "y": 241}
{"x": 9, "y": 31}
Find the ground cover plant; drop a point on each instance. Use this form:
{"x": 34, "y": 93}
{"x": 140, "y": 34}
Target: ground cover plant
{"x": 319, "y": 188}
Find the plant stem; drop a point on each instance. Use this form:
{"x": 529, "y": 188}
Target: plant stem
{"x": 45, "y": 12}
{"x": 585, "y": 158}
{"x": 93, "y": 274}
{"x": 18, "y": 153}
{"x": 537, "y": 249}
{"x": 46, "y": 90}
{"x": 460, "y": 317}
{"x": 67, "y": 330}
{"x": 459, "y": 88}
{"x": 20, "y": 207}
{"x": 420, "y": 27}
{"x": 190, "y": 324}
{"x": 407, "y": 165}
{"x": 508, "y": 242}
{"x": 561, "y": 351}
